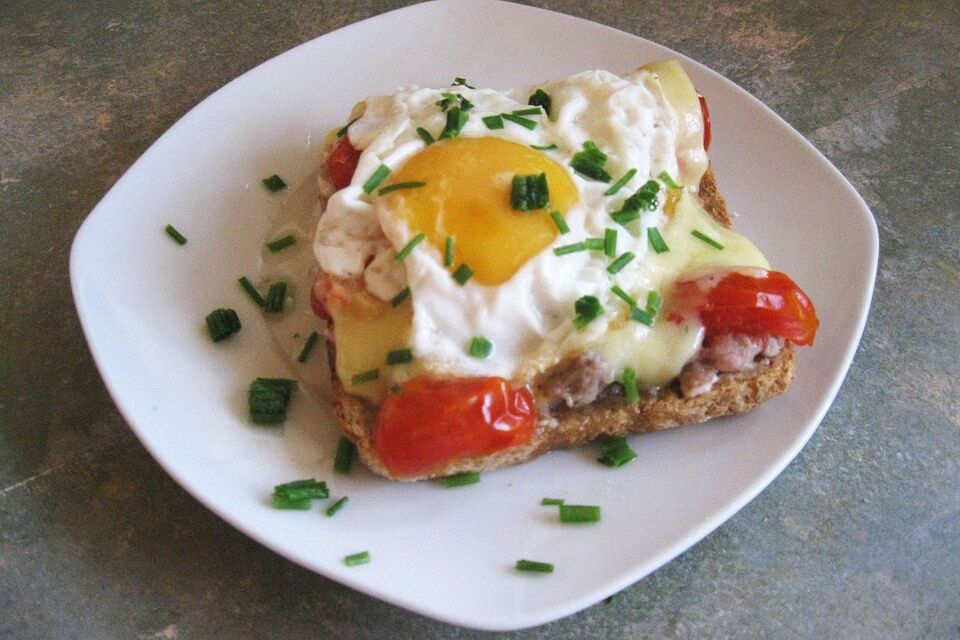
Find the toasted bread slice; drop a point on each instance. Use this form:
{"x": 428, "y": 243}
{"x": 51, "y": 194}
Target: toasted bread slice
{"x": 609, "y": 414}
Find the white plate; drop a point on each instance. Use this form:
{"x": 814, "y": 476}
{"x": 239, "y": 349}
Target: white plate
{"x": 444, "y": 553}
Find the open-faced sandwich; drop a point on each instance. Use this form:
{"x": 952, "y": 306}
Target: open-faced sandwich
{"x": 506, "y": 273}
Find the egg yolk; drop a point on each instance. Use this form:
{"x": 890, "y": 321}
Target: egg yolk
{"x": 467, "y": 195}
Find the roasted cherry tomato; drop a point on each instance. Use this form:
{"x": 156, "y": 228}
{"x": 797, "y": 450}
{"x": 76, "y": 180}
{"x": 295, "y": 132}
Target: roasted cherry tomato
{"x": 433, "y": 422}
{"x": 342, "y": 162}
{"x": 706, "y": 122}
{"x": 753, "y": 302}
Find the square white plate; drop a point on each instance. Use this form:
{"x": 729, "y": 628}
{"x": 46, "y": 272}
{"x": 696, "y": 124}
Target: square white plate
{"x": 444, "y": 553}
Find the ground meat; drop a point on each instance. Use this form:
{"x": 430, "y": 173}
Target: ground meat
{"x": 726, "y": 353}
{"x": 575, "y": 381}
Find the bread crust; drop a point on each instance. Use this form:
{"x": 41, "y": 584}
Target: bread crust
{"x": 609, "y": 415}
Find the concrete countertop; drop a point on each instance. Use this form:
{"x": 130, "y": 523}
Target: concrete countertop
{"x": 858, "y": 538}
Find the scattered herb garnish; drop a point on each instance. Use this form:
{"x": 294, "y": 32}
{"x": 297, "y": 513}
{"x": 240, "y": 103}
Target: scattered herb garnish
{"x": 569, "y": 248}
{"x": 551, "y": 502}
{"x": 641, "y": 316}
{"x": 376, "y": 178}
{"x": 281, "y": 243}
{"x": 276, "y": 295}
{"x": 425, "y": 136}
{"x": 656, "y": 240}
{"x": 621, "y": 183}
{"x": 480, "y": 347}
{"x": 299, "y": 493}
{"x": 654, "y": 300}
{"x": 342, "y": 131}
{"x": 222, "y": 323}
{"x": 623, "y": 295}
{"x": 588, "y": 309}
{"x": 560, "y": 222}
{"x": 534, "y": 566}
{"x": 448, "y": 251}
{"x": 178, "y": 237}
{"x": 493, "y": 122}
{"x": 665, "y": 178}
{"x": 529, "y": 192}
{"x": 534, "y": 111}
{"x": 416, "y": 184}
{"x": 526, "y": 123}
{"x": 365, "y": 376}
{"x": 462, "y": 274}
{"x": 541, "y": 98}
{"x": 308, "y": 347}
{"x": 546, "y": 147}
{"x": 274, "y": 183}
{"x": 456, "y": 119}
{"x": 461, "y": 479}
{"x": 705, "y": 238}
{"x": 268, "y": 398}
{"x": 610, "y": 242}
{"x": 620, "y": 262}
{"x": 458, "y": 81}
{"x": 589, "y": 162}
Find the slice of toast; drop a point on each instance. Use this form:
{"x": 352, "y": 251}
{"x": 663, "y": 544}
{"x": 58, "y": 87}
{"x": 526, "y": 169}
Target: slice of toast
{"x": 608, "y": 415}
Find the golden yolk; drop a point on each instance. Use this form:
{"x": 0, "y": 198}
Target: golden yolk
{"x": 467, "y": 195}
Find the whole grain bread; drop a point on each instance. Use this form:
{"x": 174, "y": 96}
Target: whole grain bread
{"x": 608, "y": 415}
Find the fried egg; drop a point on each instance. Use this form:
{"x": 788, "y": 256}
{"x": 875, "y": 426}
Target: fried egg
{"x": 428, "y": 230}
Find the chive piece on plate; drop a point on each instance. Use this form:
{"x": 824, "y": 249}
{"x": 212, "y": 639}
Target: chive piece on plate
{"x": 529, "y": 192}
{"x": 665, "y": 178}
{"x": 309, "y": 489}
{"x": 365, "y": 376}
{"x": 620, "y": 262}
{"x": 355, "y": 559}
{"x": 544, "y": 147}
{"x": 551, "y": 502}
{"x": 222, "y": 323}
{"x": 400, "y": 356}
{"x": 462, "y": 274}
{"x": 558, "y": 220}
{"x": 425, "y": 136}
{"x": 252, "y": 291}
{"x": 625, "y": 217}
{"x": 641, "y": 316}
{"x": 281, "y": 243}
{"x": 621, "y": 183}
{"x": 376, "y": 178}
{"x": 398, "y": 299}
{"x": 656, "y": 240}
{"x": 178, "y": 237}
{"x": 579, "y": 513}
{"x": 587, "y": 308}
{"x": 623, "y": 295}
{"x": 480, "y": 347}
{"x": 282, "y": 502}
{"x": 413, "y": 184}
{"x": 534, "y": 566}
{"x": 343, "y": 460}
{"x": 705, "y": 238}
{"x": 336, "y": 506}
{"x": 630, "y": 386}
{"x": 654, "y": 301}
{"x": 410, "y": 246}
{"x": 461, "y": 479}
{"x": 532, "y": 111}
{"x": 268, "y": 399}
{"x": 456, "y": 119}
{"x": 308, "y": 347}
{"x": 274, "y": 183}
{"x": 616, "y": 452}
{"x": 594, "y": 244}
{"x": 276, "y": 295}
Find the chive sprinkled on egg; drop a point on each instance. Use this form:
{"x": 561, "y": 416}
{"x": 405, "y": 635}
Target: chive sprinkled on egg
{"x": 610, "y": 242}
{"x": 493, "y": 122}
{"x": 534, "y": 566}
{"x": 276, "y": 296}
{"x": 409, "y": 247}
{"x": 699, "y": 235}
{"x": 376, "y": 178}
{"x": 400, "y": 356}
{"x": 425, "y": 136}
{"x": 656, "y": 240}
{"x": 558, "y": 220}
{"x": 541, "y": 98}
{"x": 448, "y": 251}
{"x": 529, "y": 192}
{"x": 413, "y": 184}
{"x": 621, "y": 183}
{"x": 615, "y": 452}
{"x": 365, "y": 376}
{"x": 620, "y": 262}
{"x": 588, "y": 309}
{"x": 343, "y": 459}
{"x": 533, "y": 111}
{"x": 456, "y": 119}
{"x": 463, "y": 274}
{"x": 570, "y": 248}
{"x": 623, "y": 295}
{"x": 222, "y": 323}
{"x": 665, "y": 178}
{"x": 274, "y": 183}
{"x": 630, "y": 389}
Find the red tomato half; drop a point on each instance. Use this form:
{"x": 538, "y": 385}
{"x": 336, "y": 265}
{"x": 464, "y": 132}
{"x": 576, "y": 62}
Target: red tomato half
{"x": 432, "y": 422}
{"x": 752, "y": 303}
{"x": 342, "y": 163}
{"x": 706, "y": 122}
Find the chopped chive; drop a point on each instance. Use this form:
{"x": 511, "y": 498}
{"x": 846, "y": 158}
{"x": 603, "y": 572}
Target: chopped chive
{"x": 410, "y": 246}
{"x": 560, "y": 222}
{"x": 588, "y": 309}
{"x": 465, "y": 105}
{"x": 461, "y": 479}
{"x": 630, "y": 386}
{"x": 400, "y": 356}
{"x": 654, "y": 300}
{"x": 533, "y": 111}
{"x": 365, "y": 376}
{"x": 342, "y": 131}
{"x": 462, "y": 274}
{"x": 357, "y": 558}
{"x": 625, "y": 216}
{"x": 665, "y": 178}
{"x": 448, "y": 99}
{"x": 621, "y": 183}
{"x": 590, "y": 170}
{"x": 276, "y": 295}
{"x": 594, "y": 244}
{"x": 541, "y": 98}
{"x": 283, "y": 502}
{"x": 252, "y": 291}
{"x": 616, "y": 452}
{"x": 416, "y": 184}
{"x": 448, "y": 248}
{"x": 458, "y": 81}
{"x": 396, "y": 300}
{"x": 309, "y": 489}
{"x": 544, "y": 147}
{"x": 529, "y": 192}
{"x": 656, "y": 240}
{"x": 274, "y": 183}
{"x": 425, "y": 136}
{"x": 526, "y": 123}
{"x": 480, "y": 347}
{"x": 610, "y": 242}
{"x": 281, "y": 243}
{"x": 308, "y": 347}
{"x": 222, "y": 323}
{"x": 534, "y": 566}
{"x": 336, "y": 506}
{"x": 343, "y": 459}
{"x": 592, "y": 151}
{"x": 376, "y": 178}
{"x": 456, "y": 119}
{"x": 570, "y": 248}
{"x": 493, "y": 122}
{"x": 579, "y": 513}
{"x": 268, "y": 399}
{"x": 641, "y": 316}
{"x": 178, "y": 237}
{"x": 710, "y": 241}
{"x": 551, "y": 502}
{"x": 620, "y": 263}
{"x": 623, "y": 295}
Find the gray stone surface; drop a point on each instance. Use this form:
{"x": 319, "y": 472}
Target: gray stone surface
{"x": 858, "y": 538}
